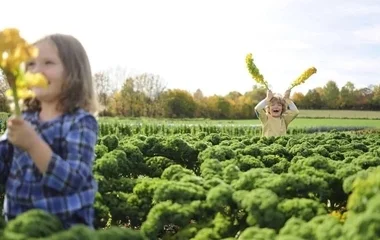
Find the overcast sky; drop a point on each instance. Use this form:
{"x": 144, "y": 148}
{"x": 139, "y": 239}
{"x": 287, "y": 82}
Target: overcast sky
{"x": 203, "y": 43}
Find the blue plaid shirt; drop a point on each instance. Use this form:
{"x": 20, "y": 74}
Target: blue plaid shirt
{"x": 67, "y": 189}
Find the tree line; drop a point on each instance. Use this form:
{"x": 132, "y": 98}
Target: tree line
{"x": 146, "y": 95}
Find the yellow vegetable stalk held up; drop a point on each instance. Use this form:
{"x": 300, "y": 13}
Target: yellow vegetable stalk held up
{"x": 14, "y": 52}
{"x": 304, "y": 76}
{"x": 254, "y": 71}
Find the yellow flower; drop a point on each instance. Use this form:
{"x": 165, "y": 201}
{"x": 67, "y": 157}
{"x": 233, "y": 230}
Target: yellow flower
{"x": 20, "y": 83}
{"x": 25, "y": 93}
{"x": 254, "y": 71}
{"x": 14, "y": 50}
{"x": 7, "y": 39}
{"x": 35, "y": 80}
{"x": 22, "y": 93}
{"x": 304, "y": 76}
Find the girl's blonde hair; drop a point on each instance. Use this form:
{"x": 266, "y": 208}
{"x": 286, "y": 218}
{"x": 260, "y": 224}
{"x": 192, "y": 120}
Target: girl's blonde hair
{"x": 78, "y": 91}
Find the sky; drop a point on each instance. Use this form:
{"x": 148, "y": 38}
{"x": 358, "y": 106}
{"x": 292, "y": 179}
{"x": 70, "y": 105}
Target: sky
{"x": 202, "y": 44}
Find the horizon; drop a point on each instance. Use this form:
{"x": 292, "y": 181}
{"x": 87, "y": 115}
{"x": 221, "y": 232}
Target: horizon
{"x": 201, "y": 45}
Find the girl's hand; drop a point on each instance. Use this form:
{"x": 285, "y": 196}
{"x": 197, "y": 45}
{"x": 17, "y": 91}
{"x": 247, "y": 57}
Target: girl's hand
{"x": 287, "y": 94}
{"x": 269, "y": 95}
{"x": 21, "y": 133}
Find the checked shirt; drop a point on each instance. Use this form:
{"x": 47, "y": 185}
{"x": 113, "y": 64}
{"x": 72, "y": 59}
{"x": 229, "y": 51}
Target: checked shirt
{"x": 67, "y": 189}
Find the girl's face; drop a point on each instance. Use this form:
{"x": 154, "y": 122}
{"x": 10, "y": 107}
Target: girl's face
{"x": 275, "y": 109}
{"x": 49, "y": 64}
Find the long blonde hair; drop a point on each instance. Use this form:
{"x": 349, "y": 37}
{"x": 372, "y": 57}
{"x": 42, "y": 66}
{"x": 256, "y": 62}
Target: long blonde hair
{"x": 78, "y": 91}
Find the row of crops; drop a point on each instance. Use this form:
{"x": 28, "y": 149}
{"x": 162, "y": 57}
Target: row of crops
{"x": 215, "y": 183}
{"x": 132, "y": 128}
{"x": 148, "y": 129}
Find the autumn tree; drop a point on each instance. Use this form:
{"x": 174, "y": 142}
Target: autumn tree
{"x": 233, "y": 99}
{"x": 116, "y": 104}
{"x": 251, "y": 99}
{"x": 225, "y": 108}
{"x": 129, "y": 99}
{"x": 234, "y": 96}
{"x": 246, "y": 108}
{"x": 198, "y": 95}
{"x": 149, "y": 87}
{"x": 139, "y": 96}
{"x": 178, "y": 103}
{"x": 347, "y": 96}
{"x": 363, "y": 98}
{"x": 299, "y": 99}
{"x": 312, "y": 100}
{"x": 219, "y": 107}
{"x": 103, "y": 89}
{"x": 319, "y": 90}
{"x": 108, "y": 82}
{"x": 201, "y": 110}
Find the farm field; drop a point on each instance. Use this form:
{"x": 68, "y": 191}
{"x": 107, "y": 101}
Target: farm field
{"x": 339, "y": 114}
{"x": 198, "y": 180}
{"x": 217, "y": 186}
{"x": 307, "y": 118}
{"x": 303, "y": 122}
{"x": 234, "y": 128}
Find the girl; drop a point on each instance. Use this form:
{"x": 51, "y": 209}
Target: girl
{"x": 275, "y": 120}
{"x": 46, "y": 157}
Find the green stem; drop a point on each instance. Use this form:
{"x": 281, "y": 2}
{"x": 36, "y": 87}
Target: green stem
{"x": 12, "y": 83}
{"x": 15, "y": 97}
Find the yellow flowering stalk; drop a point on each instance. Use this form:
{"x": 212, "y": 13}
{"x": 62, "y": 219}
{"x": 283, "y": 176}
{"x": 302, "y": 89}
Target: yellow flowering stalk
{"x": 304, "y": 76}
{"x": 254, "y": 71}
{"x": 14, "y": 52}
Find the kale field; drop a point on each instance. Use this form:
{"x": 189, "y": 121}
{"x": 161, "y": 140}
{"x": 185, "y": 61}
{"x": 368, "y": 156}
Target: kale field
{"x": 224, "y": 181}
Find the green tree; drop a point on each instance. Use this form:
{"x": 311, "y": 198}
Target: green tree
{"x": 201, "y": 110}
{"x": 347, "y": 96}
{"x": 330, "y": 95}
{"x": 178, "y": 103}
{"x": 224, "y": 108}
{"x": 363, "y": 98}
{"x": 376, "y": 98}
{"x": 235, "y": 111}
{"x": 313, "y": 100}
